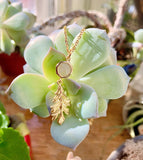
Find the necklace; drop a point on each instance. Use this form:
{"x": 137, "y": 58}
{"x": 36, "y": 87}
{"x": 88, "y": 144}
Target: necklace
{"x": 63, "y": 70}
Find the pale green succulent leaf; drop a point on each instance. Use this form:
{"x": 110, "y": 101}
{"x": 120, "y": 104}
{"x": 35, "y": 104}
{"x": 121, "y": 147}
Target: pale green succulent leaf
{"x": 71, "y": 133}
{"x": 139, "y": 35}
{"x": 109, "y": 82}
{"x": 54, "y": 34}
{"x": 17, "y": 22}
{"x": 72, "y": 31}
{"x": 17, "y": 5}
{"x": 102, "y": 107}
{"x": 32, "y": 18}
{"x": 49, "y": 64}
{"x": 12, "y": 145}
{"x": 71, "y": 86}
{"x": 49, "y": 99}
{"x": 92, "y": 51}
{"x": 11, "y": 10}
{"x": 20, "y": 37}
{"x": 28, "y": 69}
{"x": 111, "y": 59}
{"x": 6, "y": 44}
{"x": 85, "y": 102}
{"x": 29, "y": 90}
{"x": 41, "y": 110}
{"x": 36, "y": 50}
{"x": 3, "y": 8}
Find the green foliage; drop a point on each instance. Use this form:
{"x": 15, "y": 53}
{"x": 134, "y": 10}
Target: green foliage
{"x": 4, "y": 119}
{"x": 2, "y": 109}
{"x": 94, "y": 79}
{"x": 12, "y": 145}
{"x": 13, "y": 25}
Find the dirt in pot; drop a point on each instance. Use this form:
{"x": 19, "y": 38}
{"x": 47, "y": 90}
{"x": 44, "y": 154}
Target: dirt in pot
{"x": 132, "y": 150}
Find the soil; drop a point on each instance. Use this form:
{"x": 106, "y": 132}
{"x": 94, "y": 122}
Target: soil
{"x": 132, "y": 151}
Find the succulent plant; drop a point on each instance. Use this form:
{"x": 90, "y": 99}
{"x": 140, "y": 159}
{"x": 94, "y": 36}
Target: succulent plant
{"x": 70, "y": 79}
{"x": 14, "y": 23}
{"x": 139, "y": 35}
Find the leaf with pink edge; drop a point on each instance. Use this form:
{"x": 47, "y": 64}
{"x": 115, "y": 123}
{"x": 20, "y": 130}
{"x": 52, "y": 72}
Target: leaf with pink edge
{"x": 109, "y": 82}
{"x": 49, "y": 64}
{"x": 29, "y": 90}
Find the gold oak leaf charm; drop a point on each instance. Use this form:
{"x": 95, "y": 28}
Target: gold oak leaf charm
{"x": 61, "y": 104}
{"x": 63, "y": 69}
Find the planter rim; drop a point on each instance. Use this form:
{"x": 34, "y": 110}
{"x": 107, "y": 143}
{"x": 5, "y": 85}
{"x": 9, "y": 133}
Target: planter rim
{"x": 116, "y": 153}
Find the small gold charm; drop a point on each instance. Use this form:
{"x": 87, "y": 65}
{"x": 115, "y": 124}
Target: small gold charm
{"x": 61, "y": 104}
{"x": 64, "y": 69}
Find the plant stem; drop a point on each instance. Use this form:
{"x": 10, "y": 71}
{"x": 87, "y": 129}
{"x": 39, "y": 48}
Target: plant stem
{"x": 120, "y": 14}
{"x": 132, "y": 117}
{"x": 92, "y": 15}
{"x": 133, "y": 124}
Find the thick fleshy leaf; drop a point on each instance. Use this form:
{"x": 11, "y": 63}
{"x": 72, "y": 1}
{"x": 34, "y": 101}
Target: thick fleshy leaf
{"x": 28, "y": 69}
{"x": 73, "y": 30}
{"x": 49, "y": 100}
{"x": 54, "y": 34}
{"x": 102, "y": 109}
{"x": 17, "y": 5}
{"x": 36, "y": 50}
{"x": 41, "y": 110}
{"x": 29, "y": 90}
{"x": 85, "y": 102}
{"x": 71, "y": 133}
{"x": 17, "y": 22}
{"x": 11, "y": 10}
{"x": 49, "y": 64}
{"x": 71, "y": 86}
{"x": 20, "y": 37}
{"x": 32, "y": 18}
{"x": 111, "y": 59}
{"x": 3, "y": 8}
{"x": 12, "y": 145}
{"x": 92, "y": 50}
{"x": 139, "y": 35}
{"x": 6, "y": 44}
{"x": 110, "y": 82}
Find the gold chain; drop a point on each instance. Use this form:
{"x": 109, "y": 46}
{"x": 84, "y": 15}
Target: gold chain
{"x": 60, "y": 100}
{"x": 70, "y": 51}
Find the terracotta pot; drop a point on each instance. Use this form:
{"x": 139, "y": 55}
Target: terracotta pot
{"x": 116, "y": 154}
{"x": 12, "y": 65}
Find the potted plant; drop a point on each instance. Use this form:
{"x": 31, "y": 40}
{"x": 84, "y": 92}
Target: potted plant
{"x": 133, "y": 122}
{"x": 13, "y": 131}
{"x": 70, "y": 80}
{"x": 14, "y": 25}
